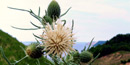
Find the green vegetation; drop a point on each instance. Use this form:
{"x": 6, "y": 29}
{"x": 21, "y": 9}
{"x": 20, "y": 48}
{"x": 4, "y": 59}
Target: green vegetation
{"x": 13, "y": 51}
{"x": 117, "y": 43}
{"x": 55, "y": 45}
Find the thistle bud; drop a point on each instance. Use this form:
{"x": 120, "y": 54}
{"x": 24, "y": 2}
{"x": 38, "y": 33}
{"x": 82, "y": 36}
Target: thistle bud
{"x": 76, "y": 55}
{"x": 54, "y": 10}
{"x": 86, "y": 56}
{"x": 33, "y": 51}
{"x": 48, "y": 19}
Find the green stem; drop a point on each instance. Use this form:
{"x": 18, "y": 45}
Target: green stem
{"x": 38, "y": 63}
{"x": 4, "y": 55}
{"x": 20, "y": 59}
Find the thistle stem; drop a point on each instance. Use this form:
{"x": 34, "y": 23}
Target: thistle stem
{"x": 4, "y": 55}
{"x": 20, "y": 59}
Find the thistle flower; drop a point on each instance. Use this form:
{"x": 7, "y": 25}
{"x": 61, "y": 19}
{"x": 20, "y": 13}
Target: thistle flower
{"x": 57, "y": 39}
{"x": 33, "y": 51}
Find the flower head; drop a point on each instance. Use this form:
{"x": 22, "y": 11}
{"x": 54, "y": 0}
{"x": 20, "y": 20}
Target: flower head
{"x": 57, "y": 39}
{"x": 33, "y": 51}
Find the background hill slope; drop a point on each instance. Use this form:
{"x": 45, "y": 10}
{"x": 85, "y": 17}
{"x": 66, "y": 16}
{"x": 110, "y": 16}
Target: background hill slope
{"x": 113, "y": 59}
{"x": 120, "y": 42}
{"x": 11, "y": 47}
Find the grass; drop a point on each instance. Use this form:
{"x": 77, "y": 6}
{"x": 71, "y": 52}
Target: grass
{"x": 11, "y": 47}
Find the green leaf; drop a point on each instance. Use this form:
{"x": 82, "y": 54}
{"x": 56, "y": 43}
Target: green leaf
{"x": 67, "y": 58}
{"x": 65, "y": 63}
{"x": 72, "y": 25}
{"x": 37, "y": 36}
{"x": 64, "y": 22}
{"x": 46, "y": 14}
{"x": 37, "y": 63}
{"x": 36, "y": 25}
{"x": 39, "y": 11}
{"x": 31, "y": 12}
{"x": 90, "y": 44}
{"x": 24, "y": 28}
{"x": 35, "y": 16}
{"x": 84, "y": 48}
{"x": 3, "y": 54}
{"x": 18, "y": 9}
{"x": 94, "y": 59}
{"x": 37, "y": 41}
{"x": 23, "y": 50}
{"x": 65, "y": 12}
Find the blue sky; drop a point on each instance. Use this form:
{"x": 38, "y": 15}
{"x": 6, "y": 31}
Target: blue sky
{"x": 101, "y": 19}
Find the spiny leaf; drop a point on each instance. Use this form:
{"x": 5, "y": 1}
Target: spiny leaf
{"x": 39, "y": 11}
{"x": 90, "y": 44}
{"x": 36, "y": 25}
{"x": 84, "y": 48}
{"x": 65, "y": 12}
{"x": 46, "y": 14}
{"x": 24, "y": 28}
{"x": 23, "y": 50}
{"x": 31, "y": 12}
{"x": 35, "y": 16}
{"x": 37, "y": 41}
{"x": 94, "y": 59}
{"x": 55, "y": 59}
{"x": 1, "y": 49}
{"x": 65, "y": 63}
{"x": 47, "y": 61}
{"x": 37, "y": 36}
{"x": 64, "y": 22}
{"x": 18, "y": 9}
{"x": 72, "y": 25}
{"x": 38, "y": 63}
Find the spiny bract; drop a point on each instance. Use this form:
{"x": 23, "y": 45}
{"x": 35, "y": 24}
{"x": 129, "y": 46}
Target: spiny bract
{"x": 86, "y": 56}
{"x": 54, "y": 10}
{"x": 33, "y": 51}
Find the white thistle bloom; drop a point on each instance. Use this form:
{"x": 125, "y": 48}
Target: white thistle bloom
{"x": 58, "y": 39}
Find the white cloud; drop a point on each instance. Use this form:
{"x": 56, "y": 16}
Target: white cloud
{"x": 22, "y": 19}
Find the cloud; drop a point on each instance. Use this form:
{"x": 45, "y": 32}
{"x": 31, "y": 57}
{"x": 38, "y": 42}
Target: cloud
{"x": 100, "y": 8}
{"x": 92, "y": 17}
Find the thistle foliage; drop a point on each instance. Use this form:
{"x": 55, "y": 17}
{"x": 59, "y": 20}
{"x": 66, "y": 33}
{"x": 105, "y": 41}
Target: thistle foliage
{"x": 56, "y": 40}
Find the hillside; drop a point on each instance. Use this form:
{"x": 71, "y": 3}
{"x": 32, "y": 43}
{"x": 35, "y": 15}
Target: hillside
{"x": 117, "y": 43}
{"x": 13, "y": 51}
{"x": 113, "y": 59}
{"x": 99, "y": 43}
